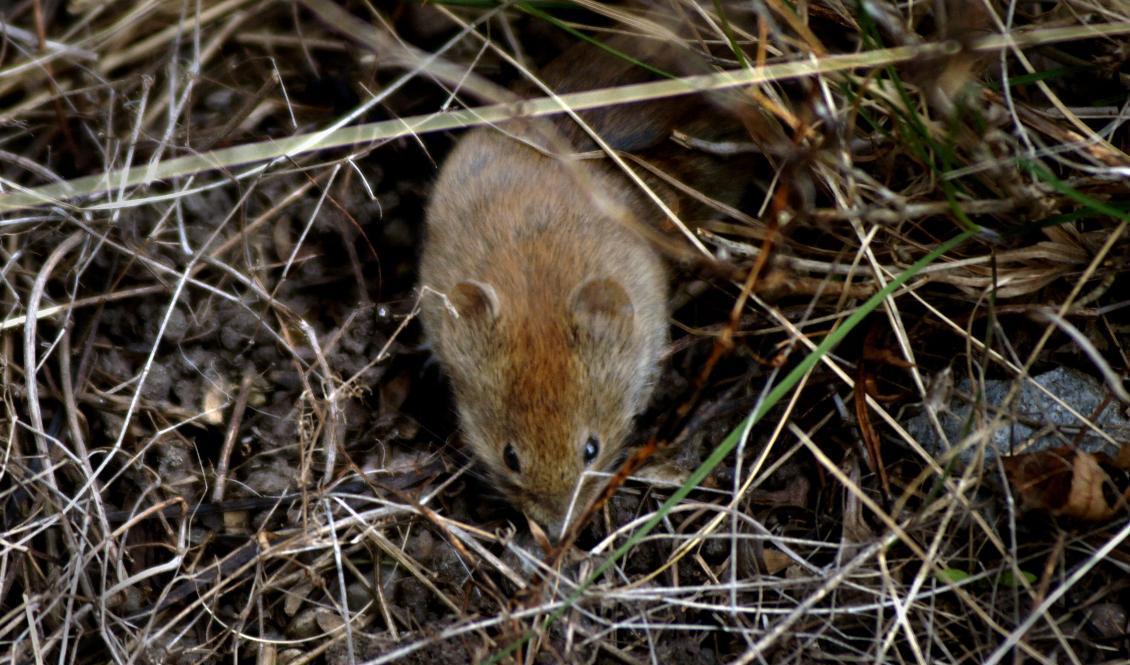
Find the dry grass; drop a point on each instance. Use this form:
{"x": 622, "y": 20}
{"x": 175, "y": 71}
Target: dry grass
{"x": 224, "y": 442}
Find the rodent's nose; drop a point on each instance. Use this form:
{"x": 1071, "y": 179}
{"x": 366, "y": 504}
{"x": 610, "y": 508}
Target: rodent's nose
{"x": 550, "y": 515}
{"x": 555, "y": 531}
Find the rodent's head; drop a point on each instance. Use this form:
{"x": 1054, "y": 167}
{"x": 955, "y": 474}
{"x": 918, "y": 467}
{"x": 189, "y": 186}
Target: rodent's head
{"x": 554, "y": 319}
{"x": 547, "y": 387}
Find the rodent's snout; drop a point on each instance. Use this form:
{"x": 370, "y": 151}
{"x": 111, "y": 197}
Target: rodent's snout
{"x": 552, "y": 513}
{"x": 556, "y": 512}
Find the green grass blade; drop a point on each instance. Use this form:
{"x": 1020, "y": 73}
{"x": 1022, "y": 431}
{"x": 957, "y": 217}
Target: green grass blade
{"x": 730, "y": 442}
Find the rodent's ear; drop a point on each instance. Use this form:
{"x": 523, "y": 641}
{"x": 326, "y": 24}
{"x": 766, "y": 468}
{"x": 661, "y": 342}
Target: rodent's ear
{"x": 602, "y": 304}
{"x": 476, "y": 301}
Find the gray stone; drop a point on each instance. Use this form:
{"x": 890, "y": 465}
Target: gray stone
{"x": 1037, "y": 422}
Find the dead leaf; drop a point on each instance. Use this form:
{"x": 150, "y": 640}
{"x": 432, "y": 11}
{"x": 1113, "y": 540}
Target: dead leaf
{"x": 540, "y": 536}
{"x": 867, "y": 384}
{"x": 1069, "y": 482}
{"x": 1123, "y": 459}
{"x": 775, "y": 561}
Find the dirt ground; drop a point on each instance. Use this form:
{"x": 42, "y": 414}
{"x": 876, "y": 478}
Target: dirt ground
{"x": 227, "y": 438}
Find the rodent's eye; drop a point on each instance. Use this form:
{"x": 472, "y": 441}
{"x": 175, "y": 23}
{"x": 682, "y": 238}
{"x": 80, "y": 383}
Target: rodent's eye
{"x": 592, "y": 449}
{"x": 511, "y": 458}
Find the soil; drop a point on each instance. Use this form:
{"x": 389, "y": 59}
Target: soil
{"x": 341, "y": 487}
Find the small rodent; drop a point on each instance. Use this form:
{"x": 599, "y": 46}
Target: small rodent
{"x": 551, "y": 314}
{"x": 554, "y": 321}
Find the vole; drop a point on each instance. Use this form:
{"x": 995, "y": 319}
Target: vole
{"x": 547, "y": 313}
{"x": 557, "y": 318}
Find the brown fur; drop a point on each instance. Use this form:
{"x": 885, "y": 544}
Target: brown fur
{"x": 559, "y": 314}
{"x": 556, "y": 309}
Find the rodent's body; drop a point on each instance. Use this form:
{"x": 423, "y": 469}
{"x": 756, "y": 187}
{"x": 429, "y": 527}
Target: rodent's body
{"x": 551, "y": 319}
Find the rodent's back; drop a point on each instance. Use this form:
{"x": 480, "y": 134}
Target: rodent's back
{"x": 555, "y": 313}
{"x": 499, "y": 205}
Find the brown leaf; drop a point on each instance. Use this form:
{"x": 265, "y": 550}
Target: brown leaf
{"x": 867, "y": 383}
{"x": 775, "y": 561}
{"x": 540, "y": 536}
{"x": 1069, "y": 482}
{"x": 1123, "y": 459}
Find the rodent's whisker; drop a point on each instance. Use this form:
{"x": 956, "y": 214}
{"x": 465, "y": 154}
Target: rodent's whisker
{"x": 554, "y": 310}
